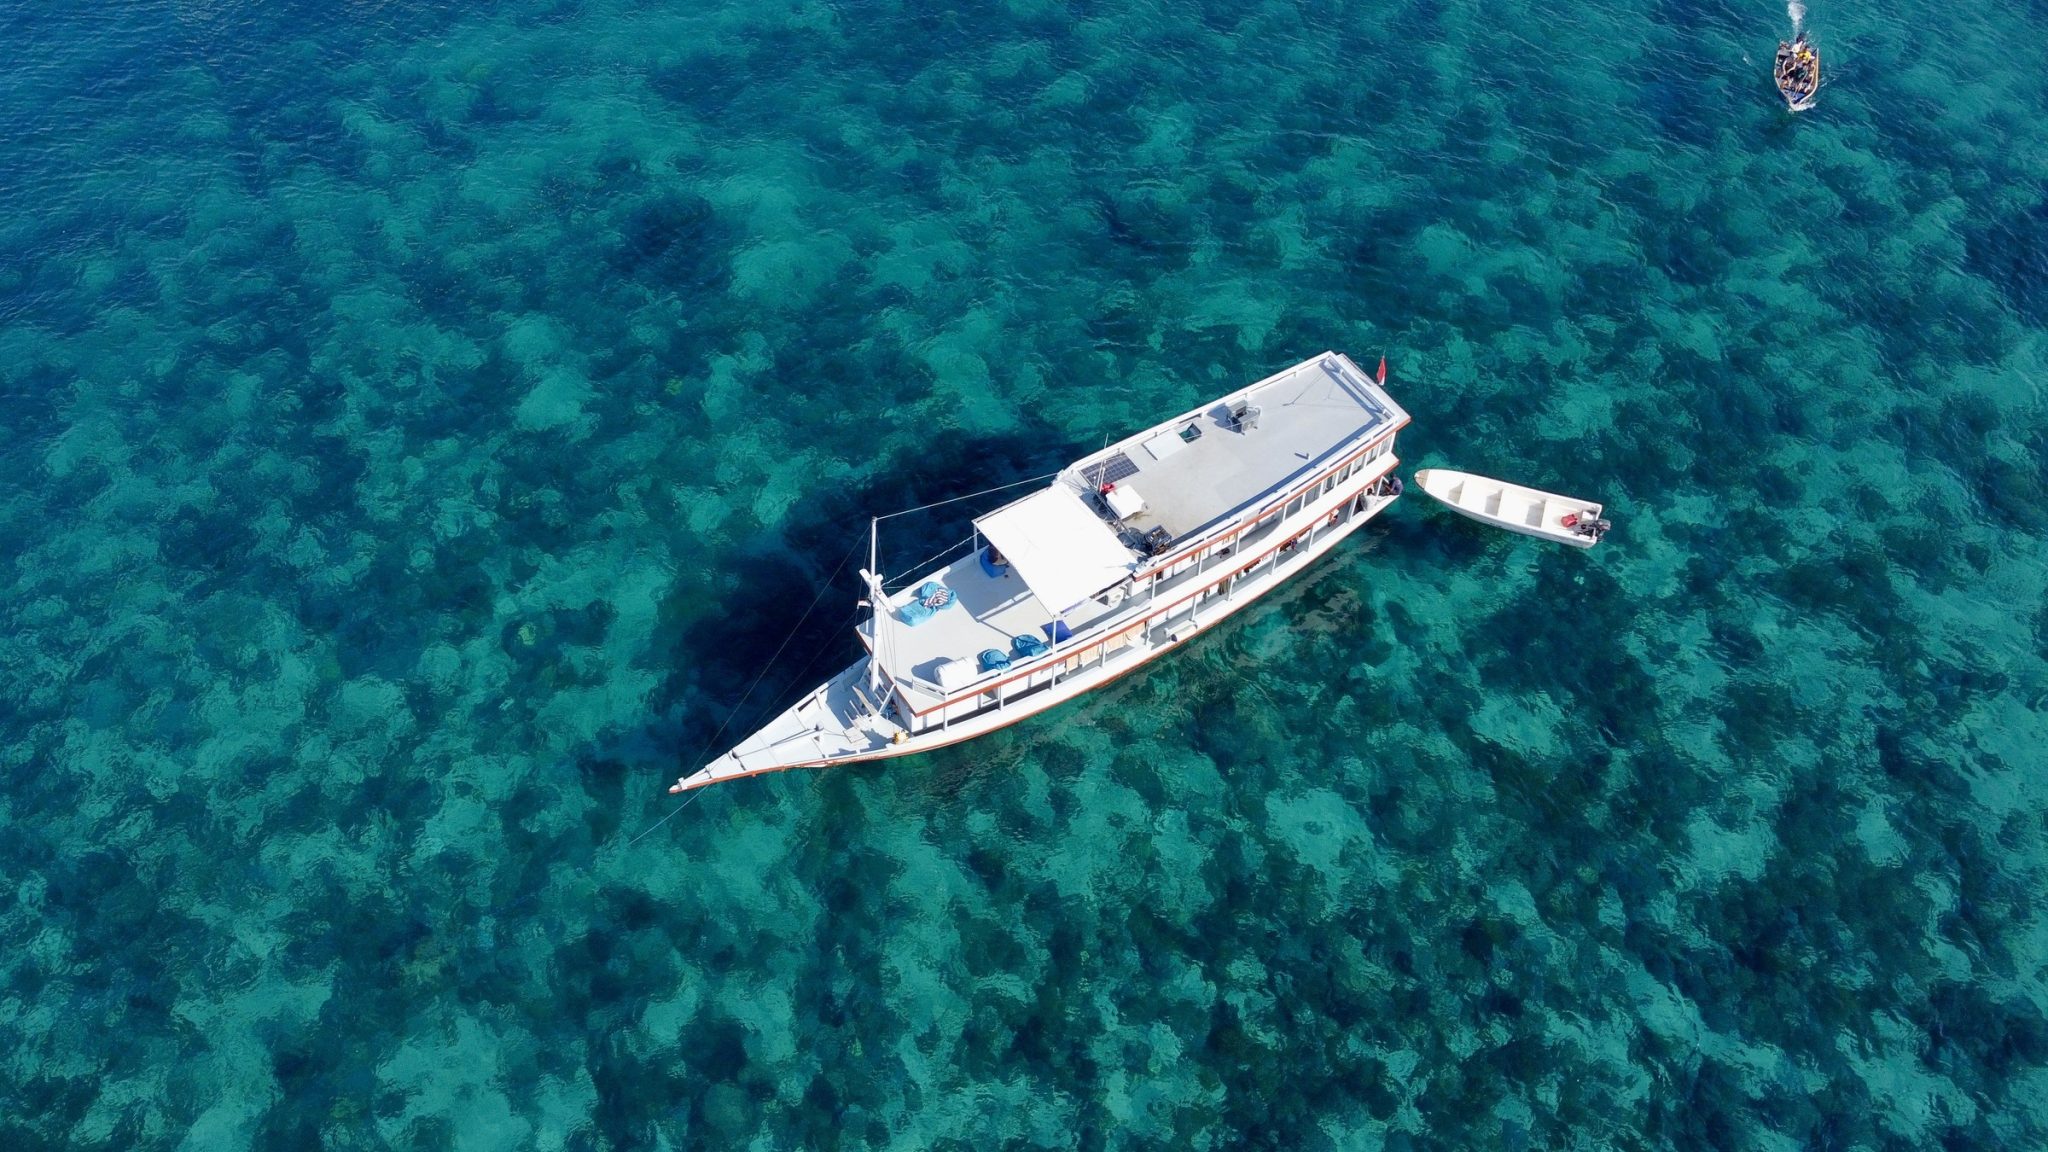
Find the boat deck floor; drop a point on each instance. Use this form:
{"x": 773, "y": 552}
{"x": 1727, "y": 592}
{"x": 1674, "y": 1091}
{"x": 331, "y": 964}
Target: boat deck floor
{"x": 1305, "y": 415}
{"x": 988, "y": 611}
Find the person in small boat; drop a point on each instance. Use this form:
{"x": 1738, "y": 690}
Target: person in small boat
{"x": 1798, "y": 68}
{"x": 1792, "y": 69}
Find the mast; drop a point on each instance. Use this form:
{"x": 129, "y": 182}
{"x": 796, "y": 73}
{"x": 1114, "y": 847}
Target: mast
{"x": 876, "y": 603}
{"x": 1059, "y": 621}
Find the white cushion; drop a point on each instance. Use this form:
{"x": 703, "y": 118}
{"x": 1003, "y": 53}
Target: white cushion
{"x": 1124, "y": 501}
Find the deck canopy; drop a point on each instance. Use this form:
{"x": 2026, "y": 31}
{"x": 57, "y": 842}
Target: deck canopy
{"x": 1064, "y": 552}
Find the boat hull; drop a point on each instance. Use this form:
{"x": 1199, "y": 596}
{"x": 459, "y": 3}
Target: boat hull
{"x": 1796, "y": 99}
{"x": 1524, "y": 511}
{"x": 1174, "y": 632}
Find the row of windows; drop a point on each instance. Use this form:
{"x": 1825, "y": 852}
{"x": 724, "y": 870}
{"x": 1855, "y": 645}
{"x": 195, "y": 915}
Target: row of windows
{"x": 1257, "y": 528}
{"x": 1100, "y": 652}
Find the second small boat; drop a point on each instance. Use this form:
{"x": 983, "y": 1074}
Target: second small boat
{"x": 1797, "y": 72}
{"x": 1525, "y": 510}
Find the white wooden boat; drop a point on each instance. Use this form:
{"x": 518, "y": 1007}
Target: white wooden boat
{"x": 1545, "y": 515}
{"x": 1129, "y": 553}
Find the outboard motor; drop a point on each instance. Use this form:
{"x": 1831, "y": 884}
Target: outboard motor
{"x": 1585, "y": 524}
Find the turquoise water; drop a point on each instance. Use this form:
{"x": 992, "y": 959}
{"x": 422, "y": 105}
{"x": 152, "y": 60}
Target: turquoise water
{"x": 422, "y": 425}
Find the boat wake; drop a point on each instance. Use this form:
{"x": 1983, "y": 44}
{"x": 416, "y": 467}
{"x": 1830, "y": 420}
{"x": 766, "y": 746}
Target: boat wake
{"x": 1797, "y": 12}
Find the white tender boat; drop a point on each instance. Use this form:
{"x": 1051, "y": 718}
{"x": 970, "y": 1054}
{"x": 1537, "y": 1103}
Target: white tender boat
{"x": 1545, "y": 515}
{"x": 1131, "y": 552}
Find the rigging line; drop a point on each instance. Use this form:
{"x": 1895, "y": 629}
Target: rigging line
{"x": 914, "y": 568}
{"x": 852, "y": 619}
{"x": 698, "y": 759}
{"x": 969, "y": 496}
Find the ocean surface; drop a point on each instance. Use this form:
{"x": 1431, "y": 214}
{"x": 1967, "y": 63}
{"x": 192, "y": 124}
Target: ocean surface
{"x": 420, "y": 424}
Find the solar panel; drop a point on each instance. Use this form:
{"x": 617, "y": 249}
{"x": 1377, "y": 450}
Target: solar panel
{"x": 1117, "y": 468}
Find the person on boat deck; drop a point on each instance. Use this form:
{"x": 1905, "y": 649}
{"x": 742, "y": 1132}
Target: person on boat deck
{"x": 1797, "y": 74}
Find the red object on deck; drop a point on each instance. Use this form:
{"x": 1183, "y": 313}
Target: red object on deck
{"x": 1383, "y": 369}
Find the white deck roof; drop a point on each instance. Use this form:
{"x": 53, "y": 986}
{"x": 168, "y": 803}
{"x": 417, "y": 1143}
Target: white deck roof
{"x": 1064, "y": 552}
{"x": 1198, "y": 469}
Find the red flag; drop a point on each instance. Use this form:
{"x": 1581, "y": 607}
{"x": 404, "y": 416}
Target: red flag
{"x": 1383, "y": 369}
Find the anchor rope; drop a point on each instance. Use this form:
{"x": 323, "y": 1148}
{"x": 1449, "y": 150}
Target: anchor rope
{"x": 672, "y": 813}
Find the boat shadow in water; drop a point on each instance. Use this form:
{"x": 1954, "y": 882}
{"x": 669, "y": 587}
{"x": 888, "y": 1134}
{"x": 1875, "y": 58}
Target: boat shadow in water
{"x": 760, "y": 628}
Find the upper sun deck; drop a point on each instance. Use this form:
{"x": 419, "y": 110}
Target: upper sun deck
{"x": 1205, "y": 465}
{"x": 1070, "y": 554}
